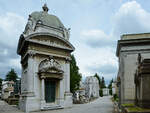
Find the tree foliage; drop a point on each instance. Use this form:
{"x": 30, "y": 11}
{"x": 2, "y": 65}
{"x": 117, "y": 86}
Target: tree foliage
{"x": 103, "y": 83}
{"x": 110, "y": 87}
{"x": 110, "y": 84}
{"x": 101, "y": 92}
{"x": 75, "y": 76}
{"x": 98, "y": 77}
{"x": 1, "y": 83}
{"x": 11, "y": 75}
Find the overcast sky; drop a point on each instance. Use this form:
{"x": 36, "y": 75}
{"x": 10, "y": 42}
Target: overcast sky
{"x": 96, "y": 25}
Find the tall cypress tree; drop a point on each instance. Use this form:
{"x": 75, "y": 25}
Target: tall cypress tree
{"x": 98, "y": 77}
{"x": 110, "y": 87}
{"x": 75, "y": 76}
{"x": 1, "y": 83}
{"x": 11, "y": 75}
{"x": 103, "y": 83}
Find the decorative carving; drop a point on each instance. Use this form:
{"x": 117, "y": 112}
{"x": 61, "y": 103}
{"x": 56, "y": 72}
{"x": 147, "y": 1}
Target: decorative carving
{"x": 31, "y": 53}
{"x": 66, "y": 33}
{"x": 50, "y": 65}
{"x": 45, "y": 8}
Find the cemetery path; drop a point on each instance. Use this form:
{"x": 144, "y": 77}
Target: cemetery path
{"x": 101, "y": 105}
{"x": 5, "y": 108}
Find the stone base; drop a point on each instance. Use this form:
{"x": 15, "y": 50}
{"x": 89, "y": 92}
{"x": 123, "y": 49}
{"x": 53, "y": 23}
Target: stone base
{"x": 27, "y": 104}
{"x": 144, "y": 103}
{"x": 43, "y": 103}
{"x": 68, "y": 100}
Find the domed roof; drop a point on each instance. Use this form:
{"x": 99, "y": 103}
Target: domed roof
{"x": 46, "y": 19}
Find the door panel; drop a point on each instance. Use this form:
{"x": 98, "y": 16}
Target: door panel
{"x": 50, "y": 89}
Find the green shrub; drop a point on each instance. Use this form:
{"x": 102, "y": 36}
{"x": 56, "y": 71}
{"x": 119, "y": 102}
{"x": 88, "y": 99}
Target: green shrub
{"x": 101, "y": 93}
{"x": 110, "y": 91}
{"x": 115, "y": 97}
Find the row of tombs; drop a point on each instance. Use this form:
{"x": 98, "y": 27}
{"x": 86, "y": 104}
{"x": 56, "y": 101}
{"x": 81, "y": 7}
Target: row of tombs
{"x": 133, "y": 52}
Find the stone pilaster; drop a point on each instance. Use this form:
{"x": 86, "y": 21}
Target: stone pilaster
{"x": 61, "y": 93}
{"x": 43, "y": 93}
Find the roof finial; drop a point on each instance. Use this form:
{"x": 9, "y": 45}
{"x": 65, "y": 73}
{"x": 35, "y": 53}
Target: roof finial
{"x": 45, "y": 8}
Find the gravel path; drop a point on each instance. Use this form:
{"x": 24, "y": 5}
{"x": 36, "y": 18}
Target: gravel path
{"x": 5, "y": 108}
{"x": 101, "y": 105}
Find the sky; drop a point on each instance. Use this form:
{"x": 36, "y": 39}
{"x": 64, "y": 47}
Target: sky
{"x": 96, "y": 26}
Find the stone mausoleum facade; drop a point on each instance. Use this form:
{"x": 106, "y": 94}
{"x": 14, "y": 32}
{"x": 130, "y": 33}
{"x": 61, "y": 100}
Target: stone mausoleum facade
{"x": 128, "y": 49}
{"x": 45, "y": 51}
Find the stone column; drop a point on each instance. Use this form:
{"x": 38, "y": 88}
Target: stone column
{"x": 61, "y": 93}
{"x": 42, "y": 89}
{"x": 30, "y": 74}
{"x": 43, "y": 93}
{"x": 68, "y": 95}
{"x": 67, "y": 74}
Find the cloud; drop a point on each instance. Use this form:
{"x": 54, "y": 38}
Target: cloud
{"x": 11, "y": 26}
{"x": 104, "y": 69}
{"x": 131, "y": 18}
{"x": 97, "y": 38}
{"x": 8, "y": 59}
{"x": 96, "y": 60}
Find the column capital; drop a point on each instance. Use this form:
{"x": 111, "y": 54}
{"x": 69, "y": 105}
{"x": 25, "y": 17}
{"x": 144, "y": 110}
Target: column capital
{"x": 43, "y": 77}
{"x": 31, "y": 53}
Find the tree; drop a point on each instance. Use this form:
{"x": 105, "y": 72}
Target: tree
{"x": 1, "y": 83}
{"x": 75, "y": 76}
{"x": 110, "y": 87}
{"x": 98, "y": 77}
{"x": 11, "y": 75}
{"x": 99, "y": 81}
{"x": 103, "y": 83}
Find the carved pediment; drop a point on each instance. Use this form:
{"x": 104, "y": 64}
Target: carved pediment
{"x": 50, "y": 66}
{"x": 52, "y": 41}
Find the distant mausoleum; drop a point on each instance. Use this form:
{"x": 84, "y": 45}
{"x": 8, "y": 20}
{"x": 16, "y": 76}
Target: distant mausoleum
{"x": 91, "y": 87}
{"x": 7, "y": 89}
{"x": 105, "y": 91}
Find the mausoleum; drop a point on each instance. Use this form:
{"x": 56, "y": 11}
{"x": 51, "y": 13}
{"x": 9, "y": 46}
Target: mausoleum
{"x": 128, "y": 49}
{"x": 91, "y": 87}
{"x": 45, "y": 51}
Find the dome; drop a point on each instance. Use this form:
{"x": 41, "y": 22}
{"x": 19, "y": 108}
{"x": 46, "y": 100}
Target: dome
{"x": 46, "y": 19}
{"x": 42, "y": 22}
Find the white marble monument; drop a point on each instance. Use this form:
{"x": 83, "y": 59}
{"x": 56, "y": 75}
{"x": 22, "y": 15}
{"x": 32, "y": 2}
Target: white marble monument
{"x": 91, "y": 87}
{"x": 45, "y": 50}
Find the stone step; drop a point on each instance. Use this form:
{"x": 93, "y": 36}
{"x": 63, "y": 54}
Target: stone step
{"x": 52, "y": 107}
